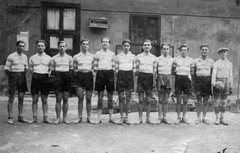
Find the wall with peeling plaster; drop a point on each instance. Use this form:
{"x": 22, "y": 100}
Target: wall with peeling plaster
{"x": 193, "y": 22}
{"x": 194, "y": 31}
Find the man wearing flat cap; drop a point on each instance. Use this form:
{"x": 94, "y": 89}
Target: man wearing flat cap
{"x": 222, "y": 82}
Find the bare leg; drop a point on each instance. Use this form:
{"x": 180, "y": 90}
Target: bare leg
{"x": 185, "y": 106}
{"x": 65, "y": 107}
{"x": 179, "y": 98}
{"x": 140, "y": 105}
{"x": 198, "y": 108}
{"x": 160, "y": 108}
{"x": 205, "y": 109}
{"x": 121, "y": 105}
{"x": 148, "y": 97}
{"x": 58, "y": 106}
{"x": 165, "y": 107}
{"x": 45, "y": 108}
{"x": 80, "y": 96}
{"x": 10, "y": 107}
{"x": 88, "y": 105}
{"x": 34, "y": 108}
{"x": 20, "y": 107}
{"x": 110, "y": 105}
{"x": 100, "y": 105}
{"x": 127, "y": 106}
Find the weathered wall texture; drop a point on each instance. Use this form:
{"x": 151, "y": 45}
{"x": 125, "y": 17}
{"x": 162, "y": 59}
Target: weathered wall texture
{"x": 117, "y": 31}
{"x": 221, "y": 8}
{"x": 194, "y": 31}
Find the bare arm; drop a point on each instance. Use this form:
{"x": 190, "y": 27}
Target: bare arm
{"x": 137, "y": 63}
{"x": 7, "y": 72}
{"x": 75, "y": 64}
{"x": 230, "y": 76}
{"x": 96, "y": 60}
{"x": 116, "y": 64}
{"x": 214, "y": 74}
{"x": 113, "y": 62}
{"x": 155, "y": 63}
{"x": 31, "y": 65}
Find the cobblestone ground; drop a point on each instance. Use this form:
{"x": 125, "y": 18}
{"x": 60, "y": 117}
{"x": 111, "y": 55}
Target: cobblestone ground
{"x": 110, "y": 138}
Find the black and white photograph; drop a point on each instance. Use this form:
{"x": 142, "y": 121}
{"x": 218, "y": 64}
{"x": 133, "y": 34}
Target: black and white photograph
{"x": 119, "y": 76}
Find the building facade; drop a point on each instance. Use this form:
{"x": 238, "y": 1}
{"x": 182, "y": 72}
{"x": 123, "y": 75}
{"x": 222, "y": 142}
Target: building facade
{"x": 194, "y": 22}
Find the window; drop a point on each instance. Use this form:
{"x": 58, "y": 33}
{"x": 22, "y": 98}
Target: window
{"x": 61, "y": 21}
{"x": 144, "y": 27}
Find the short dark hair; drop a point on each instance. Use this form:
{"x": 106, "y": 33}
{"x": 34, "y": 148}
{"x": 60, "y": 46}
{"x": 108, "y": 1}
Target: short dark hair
{"x": 204, "y": 45}
{"x": 85, "y": 40}
{"x": 147, "y": 40}
{"x": 126, "y": 41}
{"x": 167, "y": 44}
{"x": 60, "y": 42}
{"x": 106, "y": 38}
{"x": 19, "y": 42}
{"x": 42, "y": 41}
{"x": 183, "y": 45}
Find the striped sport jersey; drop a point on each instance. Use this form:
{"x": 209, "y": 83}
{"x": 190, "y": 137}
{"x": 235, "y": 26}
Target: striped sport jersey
{"x": 104, "y": 60}
{"x": 16, "y": 62}
{"x": 146, "y": 63}
{"x": 62, "y": 63}
{"x": 83, "y": 62}
{"x": 125, "y": 62}
{"x": 164, "y": 64}
{"x": 40, "y": 63}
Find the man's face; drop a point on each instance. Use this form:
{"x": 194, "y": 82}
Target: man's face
{"x": 126, "y": 47}
{"x": 204, "y": 51}
{"x": 223, "y": 54}
{"x": 41, "y": 47}
{"x": 184, "y": 51}
{"x": 85, "y": 45}
{"x": 165, "y": 50}
{"x": 21, "y": 47}
{"x": 62, "y": 47}
{"x": 105, "y": 43}
{"x": 147, "y": 46}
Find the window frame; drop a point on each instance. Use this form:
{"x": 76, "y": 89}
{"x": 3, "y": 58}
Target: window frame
{"x": 46, "y": 33}
{"x": 145, "y": 28}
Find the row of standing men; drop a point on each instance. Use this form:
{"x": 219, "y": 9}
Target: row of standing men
{"x": 207, "y": 78}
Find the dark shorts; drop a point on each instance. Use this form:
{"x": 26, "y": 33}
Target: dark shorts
{"x": 182, "y": 85}
{"x": 223, "y": 92}
{"x": 39, "y": 83}
{"x": 17, "y": 82}
{"x": 145, "y": 82}
{"x": 62, "y": 82}
{"x": 203, "y": 85}
{"x": 164, "y": 82}
{"x": 104, "y": 78}
{"x": 124, "y": 80}
{"x": 85, "y": 80}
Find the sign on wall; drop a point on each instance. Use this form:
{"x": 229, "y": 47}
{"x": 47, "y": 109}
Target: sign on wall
{"x": 24, "y": 36}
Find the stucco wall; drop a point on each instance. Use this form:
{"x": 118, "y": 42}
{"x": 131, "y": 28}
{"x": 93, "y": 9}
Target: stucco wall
{"x": 117, "y": 31}
{"x": 194, "y": 31}
{"x": 221, "y": 8}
